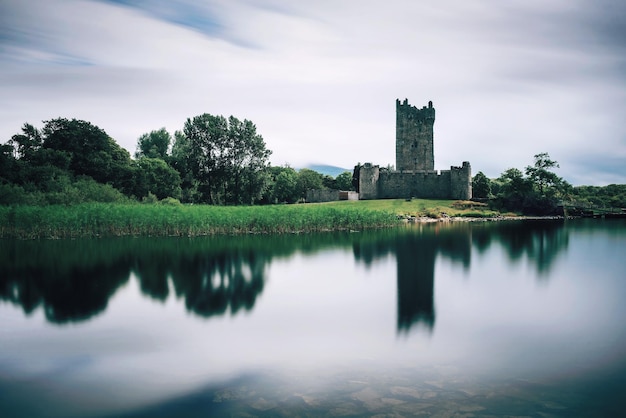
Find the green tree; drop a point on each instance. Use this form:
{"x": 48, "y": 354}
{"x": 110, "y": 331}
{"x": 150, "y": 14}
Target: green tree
{"x": 308, "y": 180}
{"x": 328, "y": 182}
{"x": 227, "y": 158}
{"x": 285, "y": 186}
{"x": 93, "y": 152}
{"x": 8, "y": 164}
{"x": 547, "y": 183}
{"x": 27, "y": 143}
{"x": 514, "y": 189}
{"x": 481, "y": 185}
{"x": 344, "y": 181}
{"x": 153, "y": 175}
{"x": 154, "y": 144}
{"x": 181, "y": 159}
{"x": 247, "y": 163}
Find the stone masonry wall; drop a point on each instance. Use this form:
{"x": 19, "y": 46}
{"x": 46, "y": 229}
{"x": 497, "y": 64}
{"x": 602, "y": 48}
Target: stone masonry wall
{"x": 368, "y": 181}
{"x": 414, "y": 137}
{"x": 461, "y": 182}
{"x": 421, "y": 184}
{"x": 376, "y": 183}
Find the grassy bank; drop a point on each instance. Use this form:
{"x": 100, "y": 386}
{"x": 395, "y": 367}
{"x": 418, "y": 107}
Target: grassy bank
{"x": 429, "y": 208}
{"x": 111, "y": 219}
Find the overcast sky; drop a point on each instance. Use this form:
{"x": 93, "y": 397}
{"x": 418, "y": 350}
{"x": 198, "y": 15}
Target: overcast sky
{"x": 508, "y": 79}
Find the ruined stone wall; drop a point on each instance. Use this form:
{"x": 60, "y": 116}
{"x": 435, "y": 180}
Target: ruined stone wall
{"x": 368, "y": 181}
{"x": 414, "y": 137}
{"x": 329, "y": 195}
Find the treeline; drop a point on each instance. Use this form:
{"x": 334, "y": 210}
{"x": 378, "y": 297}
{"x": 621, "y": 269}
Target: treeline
{"x": 213, "y": 159}
{"x": 539, "y": 191}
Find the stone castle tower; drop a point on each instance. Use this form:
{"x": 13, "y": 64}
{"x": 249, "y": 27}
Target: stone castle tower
{"x": 414, "y": 137}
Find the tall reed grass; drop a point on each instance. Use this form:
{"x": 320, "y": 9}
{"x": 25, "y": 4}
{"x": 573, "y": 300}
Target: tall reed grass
{"x": 111, "y": 219}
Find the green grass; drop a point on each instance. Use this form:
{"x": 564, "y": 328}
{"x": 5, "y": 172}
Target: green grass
{"x": 114, "y": 219}
{"x": 431, "y": 208}
{"x": 102, "y": 219}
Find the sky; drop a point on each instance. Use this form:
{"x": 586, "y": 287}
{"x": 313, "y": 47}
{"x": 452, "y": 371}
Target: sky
{"x": 508, "y": 79}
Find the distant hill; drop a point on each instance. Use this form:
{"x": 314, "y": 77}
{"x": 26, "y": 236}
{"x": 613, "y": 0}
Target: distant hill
{"x": 330, "y": 170}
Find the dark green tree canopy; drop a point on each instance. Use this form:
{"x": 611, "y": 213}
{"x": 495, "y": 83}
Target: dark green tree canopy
{"x": 93, "y": 152}
{"x": 27, "y": 143}
{"x": 308, "y": 180}
{"x": 227, "y": 157}
{"x": 344, "y": 181}
{"x": 153, "y": 175}
{"x": 481, "y": 185}
{"x": 154, "y": 144}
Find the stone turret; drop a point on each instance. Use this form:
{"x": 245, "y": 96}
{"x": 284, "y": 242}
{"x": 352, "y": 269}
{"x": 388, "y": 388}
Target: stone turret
{"x": 461, "y": 182}
{"x": 414, "y": 137}
{"x": 368, "y": 181}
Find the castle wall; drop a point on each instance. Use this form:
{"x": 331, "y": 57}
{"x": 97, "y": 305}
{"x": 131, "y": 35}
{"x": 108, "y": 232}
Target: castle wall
{"x": 420, "y": 184}
{"x": 368, "y": 181}
{"x": 384, "y": 184}
{"x": 329, "y": 195}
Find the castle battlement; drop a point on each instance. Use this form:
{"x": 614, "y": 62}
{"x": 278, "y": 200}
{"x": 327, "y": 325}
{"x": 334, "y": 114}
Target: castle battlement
{"x": 425, "y": 113}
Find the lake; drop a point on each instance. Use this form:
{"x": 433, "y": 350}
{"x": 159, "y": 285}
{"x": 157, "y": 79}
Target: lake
{"x": 522, "y": 318}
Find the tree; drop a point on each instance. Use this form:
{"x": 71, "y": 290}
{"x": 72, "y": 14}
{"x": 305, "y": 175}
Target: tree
{"x": 154, "y": 145}
{"x": 227, "y": 158}
{"x": 26, "y": 143}
{"x": 328, "y": 182}
{"x": 308, "y": 180}
{"x": 545, "y": 181}
{"x": 513, "y": 189}
{"x": 481, "y": 185}
{"x": 8, "y": 164}
{"x": 344, "y": 181}
{"x": 93, "y": 152}
{"x": 153, "y": 175}
{"x": 247, "y": 162}
{"x": 285, "y": 186}
{"x": 181, "y": 160}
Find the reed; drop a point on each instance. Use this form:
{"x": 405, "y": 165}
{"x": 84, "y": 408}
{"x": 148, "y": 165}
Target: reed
{"x": 110, "y": 219}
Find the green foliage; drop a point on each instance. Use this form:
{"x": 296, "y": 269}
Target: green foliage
{"x": 547, "y": 183}
{"x": 62, "y": 190}
{"x": 344, "y": 181}
{"x": 308, "y": 180}
{"x": 99, "y": 220}
{"x": 227, "y": 158}
{"x": 285, "y": 185}
{"x": 93, "y": 152}
{"x": 611, "y": 196}
{"x": 537, "y": 193}
{"x": 481, "y": 185}
{"x": 181, "y": 159}
{"x": 154, "y": 144}
{"x": 26, "y": 143}
{"x": 155, "y": 176}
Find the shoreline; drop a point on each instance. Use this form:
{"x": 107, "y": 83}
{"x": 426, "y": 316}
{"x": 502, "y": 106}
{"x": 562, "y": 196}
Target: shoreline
{"x": 426, "y": 219}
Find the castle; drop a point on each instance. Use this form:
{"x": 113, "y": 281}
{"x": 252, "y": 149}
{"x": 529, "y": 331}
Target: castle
{"x": 415, "y": 174}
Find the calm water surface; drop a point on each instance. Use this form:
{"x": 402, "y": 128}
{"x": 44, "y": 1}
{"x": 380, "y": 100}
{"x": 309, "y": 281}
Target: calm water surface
{"x": 483, "y": 319}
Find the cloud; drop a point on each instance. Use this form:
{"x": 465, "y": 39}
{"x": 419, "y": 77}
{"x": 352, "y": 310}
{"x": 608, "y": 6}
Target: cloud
{"x": 320, "y": 79}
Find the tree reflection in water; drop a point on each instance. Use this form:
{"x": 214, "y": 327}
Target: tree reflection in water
{"x": 73, "y": 280}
